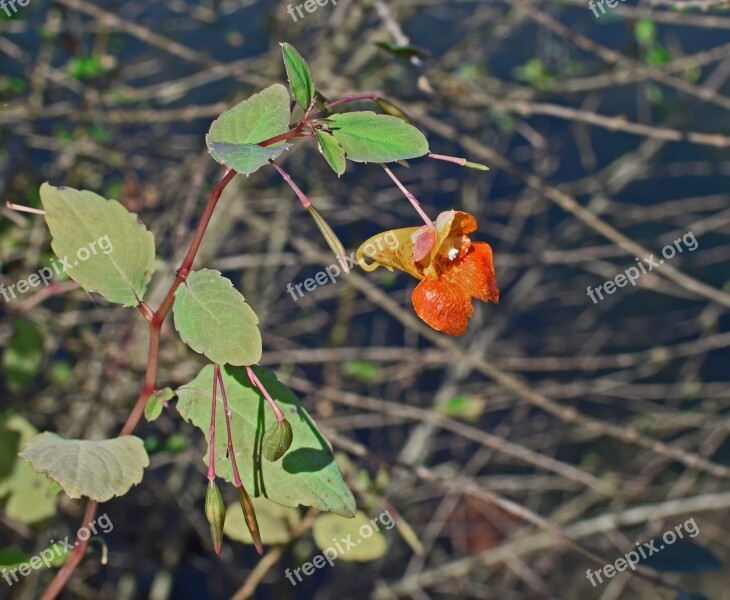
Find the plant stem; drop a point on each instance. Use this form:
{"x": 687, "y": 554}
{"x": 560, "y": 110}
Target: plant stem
{"x": 211, "y": 455}
{"x": 265, "y": 392}
{"x": 227, "y": 411}
{"x": 300, "y": 194}
{"x": 413, "y": 200}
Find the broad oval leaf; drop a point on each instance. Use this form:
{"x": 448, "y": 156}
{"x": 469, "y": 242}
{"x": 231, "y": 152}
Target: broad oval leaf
{"x": 332, "y": 152}
{"x": 98, "y": 470}
{"x": 29, "y": 497}
{"x": 212, "y": 317}
{"x": 307, "y": 475}
{"x": 245, "y": 158}
{"x": 105, "y": 247}
{"x": 368, "y": 137}
{"x": 258, "y": 118}
{"x": 367, "y": 543}
{"x": 300, "y": 77}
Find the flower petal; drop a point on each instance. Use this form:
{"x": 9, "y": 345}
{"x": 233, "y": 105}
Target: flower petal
{"x": 445, "y": 303}
{"x": 391, "y": 249}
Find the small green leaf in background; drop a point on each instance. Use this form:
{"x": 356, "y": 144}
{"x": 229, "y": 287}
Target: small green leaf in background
{"x": 300, "y": 77}
{"x": 156, "y": 402}
{"x": 84, "y": 67}
{"x": 275, "y": 522}
{"x": 536, "y": 74}
{"x": 23, "y": 355}
{"x": 245, "y": 158}
{"x": 461, "y": 407}
{"x": 212, "y": 317}
{"x": 369, "y": 137}
{"x": 330, "y": 529}
{"x": 260, "y": 117}
{"x": 364, "y": 370}
{"x": 307, "y": 474}
{"x": 28, "y": 496}
{"x": 118, "y": 256}
{"x": 12, "y": 557}
{"x": 645, "y": 32}
{"x": 332, "y": 152}
{"x": 406, "y": 52}
{"x": 98, "y": 470}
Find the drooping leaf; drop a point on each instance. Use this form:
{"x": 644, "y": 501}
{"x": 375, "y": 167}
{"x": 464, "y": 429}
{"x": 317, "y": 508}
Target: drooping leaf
{"x": 332, "y": 152}
{"x": 300, "y": 77}
{"x": 107, "y": 249}
{"x": 98, "y": 470}
{"x": 23, "y": 355}
{"x": 683, "y": 556}
{"x": 29, "y": 497}
{"x": 258, "y": 118}
{"x": 307, "y": 474}
{"x": 212, "y": 317}
{"x": 330, "y": 529}
{"x": 245, "y": 158}
{"x": 368, "y": 137}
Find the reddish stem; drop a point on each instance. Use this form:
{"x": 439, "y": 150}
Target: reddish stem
{"x": 300, "y": 194}
{"x": 265, "y": 392}
{"x": 413, "y": 200}
{"x": 211, "y": 455}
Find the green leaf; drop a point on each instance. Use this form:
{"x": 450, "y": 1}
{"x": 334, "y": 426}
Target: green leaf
{"x": 245, "y": 158}
{"x": 156, "y": 402}
{"x": 332, "y": 151}
{"x": 275, "y": 522}
{"x": 12, "y": 557}
{"x": 300, "y": 77}
{"x": 369, "y": 137}
{"x": 98, "y": 470}
{"x": 328, "y": 529}
{"x": 23, "y": 355}
{"x": 108, "y": 250}
{"x": 277, "y": 440}
{"x": 29, "y": 496}
{"x": 212, "y": 317}
{"x": 307, "y": 475}
{"x": 363, "y": 370}
{"x": 260, "y": 117}
{"x": 461, "y": 407}
{"x": 406, "y": 51}
{"x": 645, "y": 32}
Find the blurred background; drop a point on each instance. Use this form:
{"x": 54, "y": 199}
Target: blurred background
{"x": 548, "y": 440}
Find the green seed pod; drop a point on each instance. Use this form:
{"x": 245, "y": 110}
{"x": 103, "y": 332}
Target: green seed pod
{"x": 215, "y": 512}
{"x": 277, "y": 440}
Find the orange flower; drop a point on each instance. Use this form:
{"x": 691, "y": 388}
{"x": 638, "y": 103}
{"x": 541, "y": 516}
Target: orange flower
{"x": 451, "y": 267}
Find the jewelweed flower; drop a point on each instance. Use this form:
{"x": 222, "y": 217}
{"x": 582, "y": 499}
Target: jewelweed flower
{"x": 452, "y": 269}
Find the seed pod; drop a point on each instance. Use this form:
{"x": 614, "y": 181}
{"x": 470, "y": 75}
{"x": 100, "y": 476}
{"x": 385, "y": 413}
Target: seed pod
{"x": 215, "y": 512}
{"x": 277, "y": 440}
{"x": 250, "y": 515}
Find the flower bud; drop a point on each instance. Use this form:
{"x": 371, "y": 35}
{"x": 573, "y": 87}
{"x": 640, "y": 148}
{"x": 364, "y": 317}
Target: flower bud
{"x": 215, "y": 512}
{"x": 277, "y": 440}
